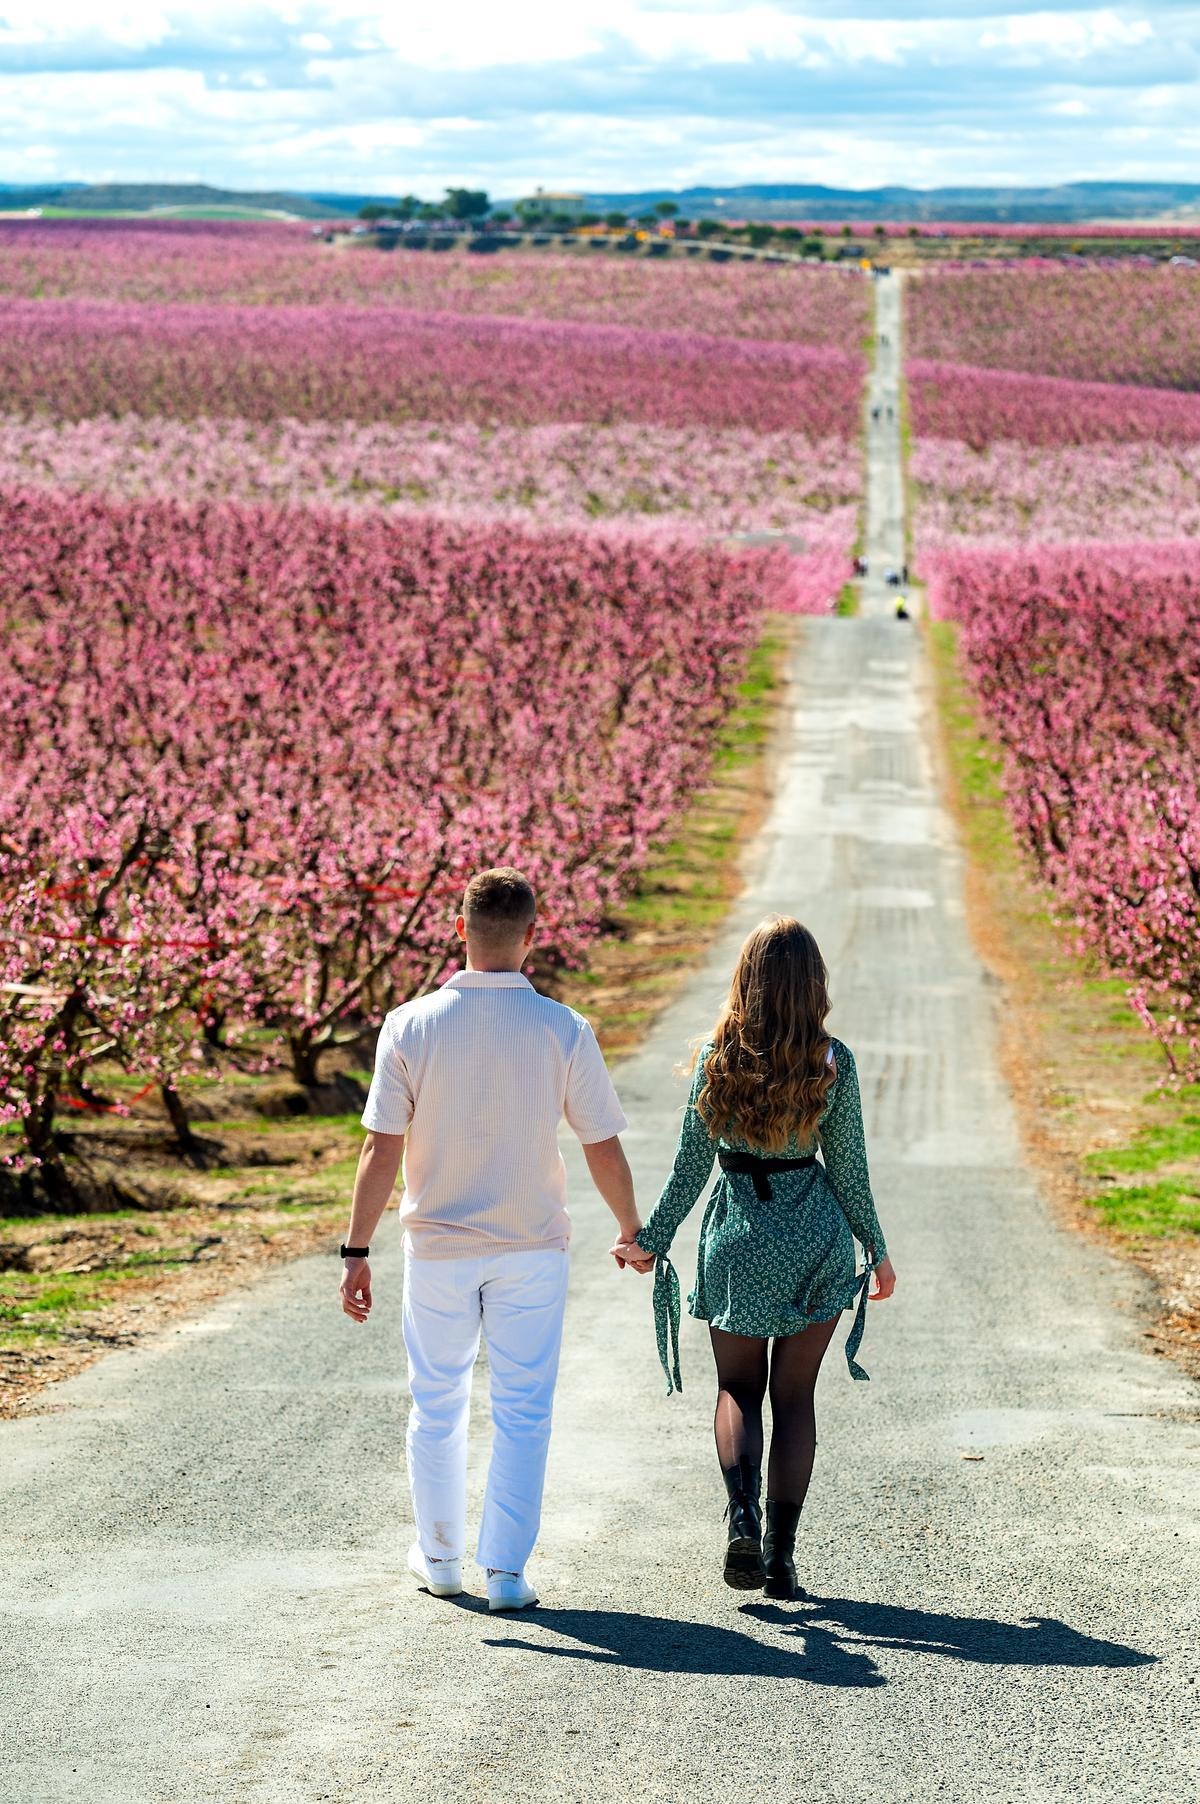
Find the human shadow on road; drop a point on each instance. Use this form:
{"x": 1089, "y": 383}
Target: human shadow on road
{"x": 667, "y": 1644}
{"x": 1034, "y": 1641}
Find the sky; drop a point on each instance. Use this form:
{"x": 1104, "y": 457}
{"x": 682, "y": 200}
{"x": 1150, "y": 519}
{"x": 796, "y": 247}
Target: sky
{"x": 597, "y": 94}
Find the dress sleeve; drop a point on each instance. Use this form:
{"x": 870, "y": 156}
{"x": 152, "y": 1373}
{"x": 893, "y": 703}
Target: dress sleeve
{"x": 843, "y": 1148}
{"x": 694, "y": 1157}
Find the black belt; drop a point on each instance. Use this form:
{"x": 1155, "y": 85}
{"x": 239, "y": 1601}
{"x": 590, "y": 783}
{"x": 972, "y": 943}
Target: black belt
{"x": 760, "y": 1169}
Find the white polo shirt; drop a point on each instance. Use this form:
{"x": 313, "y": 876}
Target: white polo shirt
{"x": 478, "y": 1076}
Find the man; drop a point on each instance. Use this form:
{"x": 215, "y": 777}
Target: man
{"x": 470, "y": 1085}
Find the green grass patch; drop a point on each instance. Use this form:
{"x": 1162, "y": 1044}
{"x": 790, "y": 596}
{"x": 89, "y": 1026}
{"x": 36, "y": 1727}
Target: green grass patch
{"x": 1169, "y": 1207}
{"x": 975, "y": 759}
{"x": 1164, "y": 1157}
{"x": 1159, "y": 1143}
{"x": 281, "y": 1124}
{"x": 846, "y": 605}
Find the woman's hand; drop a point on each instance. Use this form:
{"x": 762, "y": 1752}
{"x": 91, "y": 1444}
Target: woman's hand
{"x": 885, "y": 1280}
{"x": 628, "y": 1252}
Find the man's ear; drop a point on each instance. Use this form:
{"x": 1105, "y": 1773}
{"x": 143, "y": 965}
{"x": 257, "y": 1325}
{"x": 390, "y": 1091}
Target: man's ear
{"x": 528, "y": 940}
{"x": 460, "y": 926}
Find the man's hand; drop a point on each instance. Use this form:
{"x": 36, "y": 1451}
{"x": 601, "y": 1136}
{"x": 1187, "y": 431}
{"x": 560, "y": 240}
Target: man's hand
{"x": 356, "y": 1289}
{"x": 885, "y": 1280}
{"x": 628, "y": 1252}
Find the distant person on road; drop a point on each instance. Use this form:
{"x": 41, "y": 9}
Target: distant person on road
{"x": 777, "y": 1260}
{"x": 469, "y": 1088}
{"x": 902, "y": 607}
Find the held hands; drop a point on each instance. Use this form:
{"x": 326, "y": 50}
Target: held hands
{"x": 885, "y": 1280}
{"x": 356, "y": 1289}
{"x": 626, "y": 1251}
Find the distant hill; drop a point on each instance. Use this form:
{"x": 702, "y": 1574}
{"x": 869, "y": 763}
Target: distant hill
{"x": 191, "y": 197}
{"x": 1066, "y": 203}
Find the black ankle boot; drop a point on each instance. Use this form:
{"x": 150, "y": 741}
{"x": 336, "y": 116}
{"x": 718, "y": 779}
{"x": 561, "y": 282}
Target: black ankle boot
{"x": 743, "y": 1555}
{"x": 778, "y": 1565}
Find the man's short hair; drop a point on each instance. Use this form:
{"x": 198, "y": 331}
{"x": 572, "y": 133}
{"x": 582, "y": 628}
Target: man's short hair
{"x": 499, "y": 904}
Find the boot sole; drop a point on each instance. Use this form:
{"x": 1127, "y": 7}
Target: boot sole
{"x": 744, "y": 1565}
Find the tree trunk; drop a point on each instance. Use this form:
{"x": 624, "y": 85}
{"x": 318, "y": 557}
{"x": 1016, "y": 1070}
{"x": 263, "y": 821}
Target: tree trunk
{"x": 306, "y": 1057}
{"x": 38, "y": 1126}
{"x": 185, "y": 1140}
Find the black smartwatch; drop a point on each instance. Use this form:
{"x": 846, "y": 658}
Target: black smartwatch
{"x": 353, "y": 1252}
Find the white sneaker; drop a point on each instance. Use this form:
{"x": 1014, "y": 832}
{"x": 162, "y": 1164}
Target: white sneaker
{"x": 443, "y": 1578}
{"x": 509, "y": 1591}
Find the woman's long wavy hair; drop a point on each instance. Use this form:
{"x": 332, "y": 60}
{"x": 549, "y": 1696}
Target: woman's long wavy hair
{"x": 767, "y": 1074}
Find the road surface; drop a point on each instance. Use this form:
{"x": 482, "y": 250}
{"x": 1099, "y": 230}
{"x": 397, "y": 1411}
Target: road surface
{"x": 203, "y": 1587}
{"x": 884, "y": 539}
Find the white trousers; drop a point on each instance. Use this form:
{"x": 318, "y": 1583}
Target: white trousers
{"x": 516, "y": 1300}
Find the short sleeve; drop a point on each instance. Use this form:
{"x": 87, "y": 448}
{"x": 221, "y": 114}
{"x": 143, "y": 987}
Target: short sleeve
{"x": 590, "y": 1104}
{"x": 389, "y": 1107}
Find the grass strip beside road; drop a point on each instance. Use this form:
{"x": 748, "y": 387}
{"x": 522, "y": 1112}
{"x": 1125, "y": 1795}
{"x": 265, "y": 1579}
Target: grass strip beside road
{"x": 687, "y": 886}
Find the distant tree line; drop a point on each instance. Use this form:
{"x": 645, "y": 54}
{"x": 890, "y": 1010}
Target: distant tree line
{"x": 473, "y": 207}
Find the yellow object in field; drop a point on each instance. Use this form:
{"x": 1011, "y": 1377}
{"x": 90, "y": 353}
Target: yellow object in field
{"x": 641, "y": 237}
{"x": 866, "y": 263}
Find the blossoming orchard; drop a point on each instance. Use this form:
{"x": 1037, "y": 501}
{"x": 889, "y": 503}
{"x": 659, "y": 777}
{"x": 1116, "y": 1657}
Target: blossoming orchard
{"x": 1055, "y": 470}
{"x": 333, "y": 575}
{"x": 328, "y": 583}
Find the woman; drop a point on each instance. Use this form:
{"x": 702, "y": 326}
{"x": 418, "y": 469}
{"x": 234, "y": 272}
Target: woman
{"x": 777, "y": 1260}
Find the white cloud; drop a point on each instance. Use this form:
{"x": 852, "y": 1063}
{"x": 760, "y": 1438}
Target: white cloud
{"x": 598, "y": 93}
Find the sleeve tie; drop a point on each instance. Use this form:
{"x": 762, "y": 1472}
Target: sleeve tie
{"x": 666, "y": 1320}
{"x": 854, "y": 1338}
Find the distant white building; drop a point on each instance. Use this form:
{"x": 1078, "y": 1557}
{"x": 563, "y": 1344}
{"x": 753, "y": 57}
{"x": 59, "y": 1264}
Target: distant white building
{"x": 554, "y": 201}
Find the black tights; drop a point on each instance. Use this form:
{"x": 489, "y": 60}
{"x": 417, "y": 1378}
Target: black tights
{"x": 744, "y": 1376}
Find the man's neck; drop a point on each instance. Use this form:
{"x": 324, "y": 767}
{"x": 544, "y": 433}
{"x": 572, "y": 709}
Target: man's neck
{"x": 479, "y": 961}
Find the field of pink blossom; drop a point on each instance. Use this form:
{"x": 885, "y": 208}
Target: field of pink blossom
{"x": 79, "y": 359}
{"x": 228, "y": 825}
{"x": 1012, "y": 493}
{"x": 994, "y": 228}
{"x": 1056, "y": 518}
{"x": 1120, "y": 323}
{"x": 691, "y": 479}
{"x": 1087, "y": 665}
{"x": 273, "y": 265}
{"x": 980, "y": 406}
{"x": 250, "y": 756}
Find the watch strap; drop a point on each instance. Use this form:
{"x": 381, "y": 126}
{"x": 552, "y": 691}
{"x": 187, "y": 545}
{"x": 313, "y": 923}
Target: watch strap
{"x": 346, "y": 1252}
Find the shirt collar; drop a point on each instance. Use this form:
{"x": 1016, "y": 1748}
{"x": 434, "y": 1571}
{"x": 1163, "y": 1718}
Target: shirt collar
{"x": 487, "y": 980}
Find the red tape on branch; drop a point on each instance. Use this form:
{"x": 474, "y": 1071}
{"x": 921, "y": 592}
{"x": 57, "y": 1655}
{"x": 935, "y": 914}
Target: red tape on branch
{"x": 106, "y": 1108}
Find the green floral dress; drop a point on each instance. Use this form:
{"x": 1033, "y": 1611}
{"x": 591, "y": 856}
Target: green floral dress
{"x": 770, "y": 1267}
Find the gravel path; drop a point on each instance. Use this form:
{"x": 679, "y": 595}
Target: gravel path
{"x": 203, "y": 1596}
